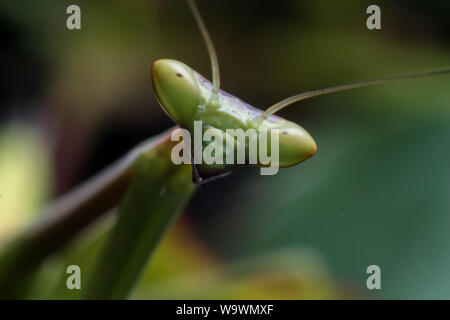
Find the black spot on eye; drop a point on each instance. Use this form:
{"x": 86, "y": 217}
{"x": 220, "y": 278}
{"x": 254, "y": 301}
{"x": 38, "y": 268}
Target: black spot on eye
{"x": 179, "y": 75}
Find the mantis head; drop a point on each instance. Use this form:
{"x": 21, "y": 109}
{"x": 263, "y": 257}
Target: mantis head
{"x": 186, "y": 96}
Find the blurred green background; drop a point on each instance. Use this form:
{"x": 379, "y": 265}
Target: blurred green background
{"x": 377, "y": 192}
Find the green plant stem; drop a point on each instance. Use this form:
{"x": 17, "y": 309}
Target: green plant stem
{"x": 67, "y": 217}
{"x": 152, "y": 202}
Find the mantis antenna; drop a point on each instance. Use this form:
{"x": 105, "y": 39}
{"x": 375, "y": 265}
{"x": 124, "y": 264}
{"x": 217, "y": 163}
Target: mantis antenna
{"x": 314, "y": 93}
{"x": 209, "y": 46}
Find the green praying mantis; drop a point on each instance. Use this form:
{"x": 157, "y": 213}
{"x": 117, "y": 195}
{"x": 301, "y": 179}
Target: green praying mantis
{"x": 148, "y": 187}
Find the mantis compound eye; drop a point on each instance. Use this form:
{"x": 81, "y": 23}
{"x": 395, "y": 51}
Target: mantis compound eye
{"x": 295, "y": 144}
{"x": 176, "y": 90}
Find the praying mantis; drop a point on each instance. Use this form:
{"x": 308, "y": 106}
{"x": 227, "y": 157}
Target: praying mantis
{"x": 148, "y": 187}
